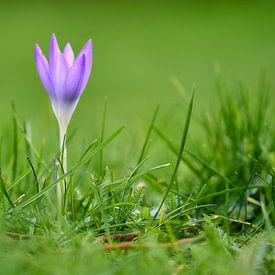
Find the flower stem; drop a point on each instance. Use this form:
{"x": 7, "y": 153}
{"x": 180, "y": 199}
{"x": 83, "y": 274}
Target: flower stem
{"x": 63, "y": 158}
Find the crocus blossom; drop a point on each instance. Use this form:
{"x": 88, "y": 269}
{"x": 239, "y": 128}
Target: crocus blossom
{"x": 64, "y": 77}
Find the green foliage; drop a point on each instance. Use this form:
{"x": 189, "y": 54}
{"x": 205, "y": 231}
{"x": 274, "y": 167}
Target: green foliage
{"x": 218, "y": 197}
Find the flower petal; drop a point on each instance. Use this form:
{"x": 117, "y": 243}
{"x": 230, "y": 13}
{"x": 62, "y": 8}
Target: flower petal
{"x": 88, "y": 57}
{"x": 74, "y": 80}
{"x": 43, "y": 70}
{"x": 87, "y": 49}
{"x": 54, "y": 52}
{"x": 69, "y": 55}
{"x": 58, "y": 74}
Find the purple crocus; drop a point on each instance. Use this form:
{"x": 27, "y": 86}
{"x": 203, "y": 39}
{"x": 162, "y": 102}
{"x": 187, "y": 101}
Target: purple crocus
{"x": 64, "y": 77}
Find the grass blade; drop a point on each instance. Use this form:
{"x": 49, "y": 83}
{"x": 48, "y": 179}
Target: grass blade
{"x": 148, "y": 134}
{"x": 15, "y": 142}
{"x": 5, "y": 191}
{"x": 88, "y": 148}
{"x": 174, "y": 149}
{"x": 102, "y": 134}
{"x": 130, "y": 177}
{"x": 35, "y": 176}
{"x": 184, "y": 136}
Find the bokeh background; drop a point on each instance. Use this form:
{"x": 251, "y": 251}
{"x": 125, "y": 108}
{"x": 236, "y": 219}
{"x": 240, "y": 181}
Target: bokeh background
{"x": 142, "y": 51}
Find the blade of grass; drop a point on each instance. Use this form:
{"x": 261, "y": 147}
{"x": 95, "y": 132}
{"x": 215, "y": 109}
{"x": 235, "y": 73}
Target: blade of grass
{"x": 171, "y": 217}
{"x": 184, "y": 136}
{"x": 35, "y": 176}
{"x": 88, "y": 149}
{"x": 15, "y": 141}
{"x": 5, "y": 191}
{"x": 174, "y": 149}
{"x": 187, "y": 162}
{"x": 20, "y": 127}
{"x": 116, "y": 183}
{"x": 130, "y": 177}
{"x": 27, "y": 133}
{"x": 102, "y": 134}
{"x": 18, "y": 179}
{"x": 148, "y": 134}
{"x": 65, "y": 185}
{"x": 1, "y": 140}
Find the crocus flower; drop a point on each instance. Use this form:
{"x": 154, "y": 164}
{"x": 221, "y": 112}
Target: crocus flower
{"x": 64, "y": 77}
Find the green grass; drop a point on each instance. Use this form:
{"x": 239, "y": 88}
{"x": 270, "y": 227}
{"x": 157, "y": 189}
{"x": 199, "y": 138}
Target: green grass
{"x": 157, "y": 181}
{"x": 210, "y": 211}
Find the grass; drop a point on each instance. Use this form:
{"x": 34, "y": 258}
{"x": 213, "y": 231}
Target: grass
{"x": 209, "y": 211}
{"x": 156, "y": 181}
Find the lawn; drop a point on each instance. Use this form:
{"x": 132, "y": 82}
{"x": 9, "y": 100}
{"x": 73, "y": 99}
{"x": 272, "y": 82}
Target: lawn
{"x": 171, "y": 149}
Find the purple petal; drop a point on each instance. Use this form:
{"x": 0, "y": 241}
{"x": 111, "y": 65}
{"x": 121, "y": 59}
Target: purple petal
{"x": 54, "y": 51}
{"x": 87, "y": 49}
{"x": 74, "y": 80}
{"x": 58, "y": 74}
{"x": 43, "y": 69}
{"x": 69, "y": 55}
{"x": 88, "y": 57}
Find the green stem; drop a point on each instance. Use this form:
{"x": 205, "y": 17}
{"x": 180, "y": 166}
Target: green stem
{"x": 63, "y": 158}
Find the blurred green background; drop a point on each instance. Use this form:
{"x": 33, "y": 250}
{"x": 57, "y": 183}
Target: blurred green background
{"x": 140, "y": 48}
